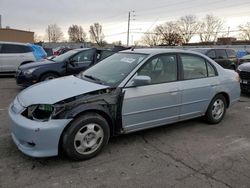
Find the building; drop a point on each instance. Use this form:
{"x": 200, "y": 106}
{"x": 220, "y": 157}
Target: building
{"x": 15, "y": 35}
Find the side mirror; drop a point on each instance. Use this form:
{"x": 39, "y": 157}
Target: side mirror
{"x": 141, "y": 80}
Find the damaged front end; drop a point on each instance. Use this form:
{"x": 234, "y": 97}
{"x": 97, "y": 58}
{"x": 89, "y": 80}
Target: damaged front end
{"x": 107, "y": 102}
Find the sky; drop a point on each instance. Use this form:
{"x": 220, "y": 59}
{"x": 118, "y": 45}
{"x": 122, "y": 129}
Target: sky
{"x": 33, "y": 15}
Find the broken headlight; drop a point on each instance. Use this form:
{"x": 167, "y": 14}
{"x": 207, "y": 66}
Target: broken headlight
{"x": 41, "y": 112}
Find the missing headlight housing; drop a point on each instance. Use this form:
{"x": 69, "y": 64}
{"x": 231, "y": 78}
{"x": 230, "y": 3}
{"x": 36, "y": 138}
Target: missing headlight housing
{"x": 41, "y": 112}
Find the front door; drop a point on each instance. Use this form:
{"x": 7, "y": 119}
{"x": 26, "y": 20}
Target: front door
{"x": 157, "y": 103}
{"x": 80, "y": 61}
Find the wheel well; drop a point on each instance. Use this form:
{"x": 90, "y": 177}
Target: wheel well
{"x": 25, "y": 62}
{"x": 226, "y": 97}
{"x": 50, "y": 72}
{"x": 101, "y": 113}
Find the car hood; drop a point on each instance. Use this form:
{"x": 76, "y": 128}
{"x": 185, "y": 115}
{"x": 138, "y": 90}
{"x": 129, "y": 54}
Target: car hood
{"x": 244, "y": 67}
{"x": 36, "y": 64}
{"x": 245, "y": 57}
{"x": 53, "y": 91}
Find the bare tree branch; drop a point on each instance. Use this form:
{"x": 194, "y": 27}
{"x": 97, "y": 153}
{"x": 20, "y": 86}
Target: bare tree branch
{"x": 54, "y": 33}
{"x": 188, "y": 26}
{"x": 169, "y": 33}
{"x": 245, "y": 31}
{"x": 210, "y": 28}
{"x": 96, "y": 34}
{"x": 77, "y": 34}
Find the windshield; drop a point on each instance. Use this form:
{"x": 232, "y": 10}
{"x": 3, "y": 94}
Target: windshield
{"x": 113, "y": 69}
{"x": 64, "y": 56}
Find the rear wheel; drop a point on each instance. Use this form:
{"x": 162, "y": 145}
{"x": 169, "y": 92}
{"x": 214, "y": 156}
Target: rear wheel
{"x": 49, "y": 76}
{"x": 216, "y": 109}
{"x": 86, "y": 136}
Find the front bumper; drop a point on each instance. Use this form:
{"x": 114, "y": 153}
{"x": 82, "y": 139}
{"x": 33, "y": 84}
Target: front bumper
{"x": 36, "y": 139}
{"x": 25, "y": 80}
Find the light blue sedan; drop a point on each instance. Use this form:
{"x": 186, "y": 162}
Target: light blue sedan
{"x": 129, "y": 91}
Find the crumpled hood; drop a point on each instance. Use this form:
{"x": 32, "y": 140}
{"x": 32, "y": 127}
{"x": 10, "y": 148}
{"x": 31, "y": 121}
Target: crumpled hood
{"x": 52, "y": 91}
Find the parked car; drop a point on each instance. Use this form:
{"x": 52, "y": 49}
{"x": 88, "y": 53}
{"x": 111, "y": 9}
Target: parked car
{"x": 129, "y": 91}
{"x": 71, "y": 62}
{"x": 244, "y": 72}
{"x": 61, "y": 50}
{"x": 244, "y": 59}
{"x": 13, "y": 54}
{"x": 227, "y": 58}
{"x": 49, "y": 51}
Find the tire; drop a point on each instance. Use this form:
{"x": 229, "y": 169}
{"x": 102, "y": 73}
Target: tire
{"x": 213, "y": 115}
{"x": 85, "y": 137}
{"x": 48, "y": 76}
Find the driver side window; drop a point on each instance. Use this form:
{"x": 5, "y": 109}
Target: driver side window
{"x": 84, "y": 56}
{"x": 160, "y": 69}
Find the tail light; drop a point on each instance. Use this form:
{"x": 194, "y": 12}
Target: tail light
{"x": 237, "y": 77}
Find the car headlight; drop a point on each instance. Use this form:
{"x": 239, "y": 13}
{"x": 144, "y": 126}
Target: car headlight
{"x": 29, "y": 71}
{"x": 41, "y": 112}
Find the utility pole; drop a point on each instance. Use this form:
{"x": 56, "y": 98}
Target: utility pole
{"x": 129, "y": 19}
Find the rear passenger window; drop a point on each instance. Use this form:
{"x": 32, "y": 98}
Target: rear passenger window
{"x": 231, "y": 53}
{"x": 221, "y": 54}
{"x": 193, "y": 67}
{"x": 13, "y": 48}
{"x": 210, "y": 70}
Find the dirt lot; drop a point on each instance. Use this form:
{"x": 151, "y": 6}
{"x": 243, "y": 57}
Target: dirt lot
{"x": 187, "y": 154}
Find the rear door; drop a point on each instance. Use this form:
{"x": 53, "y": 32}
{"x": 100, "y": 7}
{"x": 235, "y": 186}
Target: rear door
{"x": 221, "y": 58}
{"x": 232, "y": 58}
{"x": 157, "y": 103}
{"x": 198, "y": 86}
{"x": 81, "y": 61}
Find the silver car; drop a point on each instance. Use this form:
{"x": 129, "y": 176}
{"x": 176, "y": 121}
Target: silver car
{"x": 128, "y": 91}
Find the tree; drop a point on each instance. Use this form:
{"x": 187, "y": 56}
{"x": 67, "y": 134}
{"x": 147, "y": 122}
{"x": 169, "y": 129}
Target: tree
{"x": 96, "y": 34}
{"x": 54, "y": 33}
{"x": 210, "y": 28}
{"x": 151, "y": 39}
{"x": 169, "y": 34}
{"x": 188, "y": 26}
{"x": 245, "y": 31}
{"x": 37, "y": 38}
{"x": 76, "y": 33}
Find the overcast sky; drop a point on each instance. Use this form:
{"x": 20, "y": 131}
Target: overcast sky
{"x": 35, "y": 15}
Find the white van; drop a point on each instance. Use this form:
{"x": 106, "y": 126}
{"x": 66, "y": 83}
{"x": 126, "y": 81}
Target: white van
{"x": 13, "y": 54}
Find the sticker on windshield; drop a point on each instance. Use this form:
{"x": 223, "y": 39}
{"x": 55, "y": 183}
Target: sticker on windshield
{"x": 127, "y": 60}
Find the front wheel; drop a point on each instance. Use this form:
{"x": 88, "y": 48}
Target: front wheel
{"x": 85, "y": 136}
{"x": 216, "y": 109}
{"x": 49, "y": 76}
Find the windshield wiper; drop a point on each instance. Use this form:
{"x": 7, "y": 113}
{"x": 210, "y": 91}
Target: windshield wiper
{"x": 94, "y": 78}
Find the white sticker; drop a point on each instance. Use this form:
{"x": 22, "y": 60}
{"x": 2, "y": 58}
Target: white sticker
{"x": 127, "y": 60}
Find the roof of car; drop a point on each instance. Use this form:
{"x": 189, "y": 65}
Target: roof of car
{"x": 81, "y": 49}
{"x": 6, "y": 42}
{"x": 153, "y": 51}
{"x": 211, "y": 48}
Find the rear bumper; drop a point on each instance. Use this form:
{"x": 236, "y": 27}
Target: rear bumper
{"x": 36, "y": 139}
{"x": 245, "y": 87}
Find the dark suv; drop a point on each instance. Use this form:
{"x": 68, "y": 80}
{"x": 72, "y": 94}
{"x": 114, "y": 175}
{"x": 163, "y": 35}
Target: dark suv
{"x": 71, "y": 62}
{"x": 225, "y": 57}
